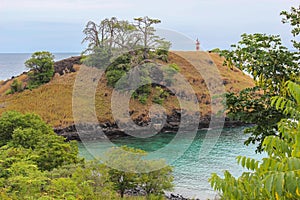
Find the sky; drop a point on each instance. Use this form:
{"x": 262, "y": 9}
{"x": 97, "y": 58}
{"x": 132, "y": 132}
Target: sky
{"x": 56, "y": 25}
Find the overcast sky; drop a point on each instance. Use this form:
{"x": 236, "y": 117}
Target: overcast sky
{"x": 56, "y": 25}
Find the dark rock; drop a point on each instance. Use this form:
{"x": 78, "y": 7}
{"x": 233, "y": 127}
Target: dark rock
{"x": 131, "y": 112}
{"x": 225, "y": 82}
{"x": 136, "y": 192}
{"x": 66, "y": 65}
{"x": 111, "y": 130}
{"x": 210, "y": 62}
{"x": 176, "y": 197}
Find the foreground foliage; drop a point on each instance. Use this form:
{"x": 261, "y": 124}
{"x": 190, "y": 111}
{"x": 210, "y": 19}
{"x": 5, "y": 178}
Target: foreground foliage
{"x": 128, "y": 170}
{"x": 26, "y": 134}
{"x": 270, "y": 64}
{"x": 274, "y": 106}
{"x": 278, "y": 175}
{"x": 35, "y": 163}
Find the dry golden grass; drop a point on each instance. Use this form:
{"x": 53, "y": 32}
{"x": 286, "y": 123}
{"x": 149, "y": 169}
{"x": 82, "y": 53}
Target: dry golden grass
{"x": 5, "y": 85}
{"x": 53, "y": 101}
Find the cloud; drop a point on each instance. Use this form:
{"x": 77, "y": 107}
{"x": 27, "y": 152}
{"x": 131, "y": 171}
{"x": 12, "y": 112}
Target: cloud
{"x": 59, "y": 10}
{"x": 217, "y": 23}
{"x": 62, "y": 4}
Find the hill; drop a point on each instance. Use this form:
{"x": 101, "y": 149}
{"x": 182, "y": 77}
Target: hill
{"x": 53, "y": 101}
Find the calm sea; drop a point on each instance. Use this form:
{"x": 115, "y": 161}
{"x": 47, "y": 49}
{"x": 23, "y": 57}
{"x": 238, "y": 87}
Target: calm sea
{"x": 12, "y": 64}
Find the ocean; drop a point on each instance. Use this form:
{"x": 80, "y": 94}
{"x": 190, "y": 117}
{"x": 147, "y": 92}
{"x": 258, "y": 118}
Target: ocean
{"x": 12, "y": 64}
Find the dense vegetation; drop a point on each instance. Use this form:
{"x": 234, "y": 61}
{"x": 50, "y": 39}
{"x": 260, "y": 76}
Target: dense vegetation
{"x": 271, "y": 65}
{"x": 119, "y": 47}
{"x": 35, "y": 163}
{"x": 274, "y": 106}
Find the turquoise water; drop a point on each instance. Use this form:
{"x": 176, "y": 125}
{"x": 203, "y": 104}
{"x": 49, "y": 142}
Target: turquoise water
{"x": 191, "y": 172}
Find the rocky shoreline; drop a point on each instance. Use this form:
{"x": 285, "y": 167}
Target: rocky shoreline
{"x": 168, "y": 196}
{"x": 111, "y": 130}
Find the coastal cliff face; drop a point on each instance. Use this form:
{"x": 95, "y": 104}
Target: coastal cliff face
{"x": 66, "y": 65}
{"x": 54, "y": 100}
{"x": 111, "y": 130}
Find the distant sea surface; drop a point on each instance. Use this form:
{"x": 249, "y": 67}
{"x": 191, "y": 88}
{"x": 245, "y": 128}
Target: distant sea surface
{"x": 12, "y": 64}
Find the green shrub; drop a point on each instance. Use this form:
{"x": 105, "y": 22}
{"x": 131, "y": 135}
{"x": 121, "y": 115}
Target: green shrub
{"x": 16, "y": 86}
{"x": 113, "y": 76}
{"x": 158, "y": 100}
{"x": 143, "y": 98}
{"x": 8, "y": 92}
{"x": 41, "y": 65}
{"x": 174, "y": 66}
{"x": 159, "y": 95}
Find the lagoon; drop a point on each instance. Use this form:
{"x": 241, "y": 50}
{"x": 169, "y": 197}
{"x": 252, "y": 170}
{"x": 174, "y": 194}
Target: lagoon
{"x": 191, "y": 172}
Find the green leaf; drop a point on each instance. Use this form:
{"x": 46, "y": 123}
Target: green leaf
{"x": 279, "y": 183}
{"x": 268, "y": 183}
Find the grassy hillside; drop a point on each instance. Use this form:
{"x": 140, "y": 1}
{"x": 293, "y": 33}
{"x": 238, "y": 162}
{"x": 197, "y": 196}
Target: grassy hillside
{"x": 53, "y": 101}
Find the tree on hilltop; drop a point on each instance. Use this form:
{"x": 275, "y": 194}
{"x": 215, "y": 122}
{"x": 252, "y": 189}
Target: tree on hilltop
{"x": 91, "y": 32}
{"x": 149, "y": 39}
{"x": 115, "y": 35}
{"x": 41, "y": 65}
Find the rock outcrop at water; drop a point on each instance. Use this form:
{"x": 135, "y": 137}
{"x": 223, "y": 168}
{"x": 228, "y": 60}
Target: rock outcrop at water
{"x": 177, "y": 197}
{"x": 169, "y": 196}
{"x": 66, "y": 65}
{"x": 112, "y": 130}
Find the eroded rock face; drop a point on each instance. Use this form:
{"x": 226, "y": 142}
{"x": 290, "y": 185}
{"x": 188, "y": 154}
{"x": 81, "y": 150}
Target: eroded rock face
{"x": 111, "y": 130}
{"x": 66, "y": 65}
